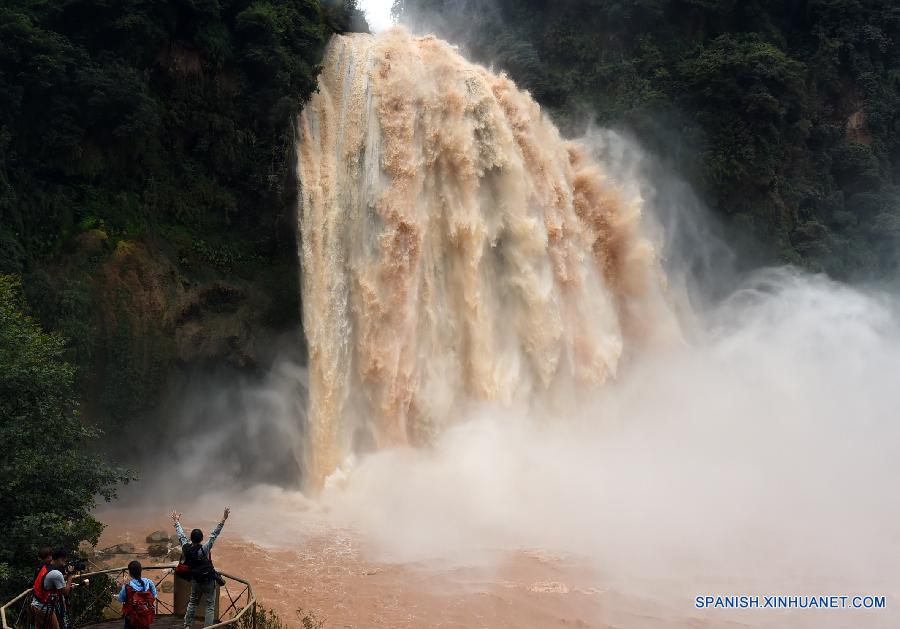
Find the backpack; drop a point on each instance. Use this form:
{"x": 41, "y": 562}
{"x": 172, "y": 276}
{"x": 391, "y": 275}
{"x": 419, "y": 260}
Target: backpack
{"x": 200, "y": 564}
{"x": 46, "y": 597}
{"x": 139, "y": 609}
{"x": 182, "y": 570}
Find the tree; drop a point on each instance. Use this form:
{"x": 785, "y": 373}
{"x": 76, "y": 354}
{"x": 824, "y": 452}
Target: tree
{"x": 49, "y": 481}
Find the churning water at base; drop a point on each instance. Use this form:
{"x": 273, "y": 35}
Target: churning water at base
{"x": 454, "y": 249}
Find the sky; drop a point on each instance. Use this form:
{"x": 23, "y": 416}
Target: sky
{"x": 378, "y": 13}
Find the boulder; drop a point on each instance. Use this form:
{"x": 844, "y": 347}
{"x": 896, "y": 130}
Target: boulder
{"x": 157, "y": 550}
{"x": 157, "y": 537}
{"x": 125, "y": 548}
{"x": 174, "y": 554}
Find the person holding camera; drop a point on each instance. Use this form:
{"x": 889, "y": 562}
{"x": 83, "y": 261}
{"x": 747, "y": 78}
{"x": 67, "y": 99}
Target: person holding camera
{"x": 198, "y": 557}
{"x": 50, "y": 586}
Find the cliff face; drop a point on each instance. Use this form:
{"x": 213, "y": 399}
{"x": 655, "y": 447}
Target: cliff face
{"x": 150, "y": 316}
{"x": 147, "y": 196}
{"x": 141, "y": 311}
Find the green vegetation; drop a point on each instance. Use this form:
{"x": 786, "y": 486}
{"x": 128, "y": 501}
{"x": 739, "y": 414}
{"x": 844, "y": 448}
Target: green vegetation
{"x": 263, "y": 618}
{"x": 145, "y": 161}
{"x": 784, "y": 115}
{"x": 131, "y": 115}
{"x": 87, "y": 602}
{"x": 48, "y": 480}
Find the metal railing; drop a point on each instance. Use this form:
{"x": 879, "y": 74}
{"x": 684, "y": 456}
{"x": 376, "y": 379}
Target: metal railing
{"x": 103, "y": 606}
{"x": 237, "y": 615}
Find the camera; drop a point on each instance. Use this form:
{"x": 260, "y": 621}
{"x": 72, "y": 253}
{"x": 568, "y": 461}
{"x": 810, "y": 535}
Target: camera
{"x": 75, "y": 564}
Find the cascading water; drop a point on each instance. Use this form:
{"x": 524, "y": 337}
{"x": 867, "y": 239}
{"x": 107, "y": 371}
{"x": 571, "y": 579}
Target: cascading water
{"x": 454, "y": 248}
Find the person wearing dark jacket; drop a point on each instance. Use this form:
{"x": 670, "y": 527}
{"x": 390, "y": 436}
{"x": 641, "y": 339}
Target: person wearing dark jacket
{"x": 198, "y": 556}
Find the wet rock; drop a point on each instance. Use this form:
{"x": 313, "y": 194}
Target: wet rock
{"x": 157, "y": 537}
{"x": 158, "y": 550}
{"x": 174, "y": 554}
{"x": 125, "y": 548}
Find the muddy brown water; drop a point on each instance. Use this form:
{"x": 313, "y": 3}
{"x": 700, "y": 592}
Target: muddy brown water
{"x": 336, "y": 578}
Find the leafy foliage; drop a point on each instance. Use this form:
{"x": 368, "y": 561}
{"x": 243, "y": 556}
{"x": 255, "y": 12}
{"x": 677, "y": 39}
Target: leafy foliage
{"x": 48, "y": 478}
{"x": 140, "y": 113}
{"x": 146, "y": 146}
{"x": 86, "y": 603}
{"x": 785, "y": 115}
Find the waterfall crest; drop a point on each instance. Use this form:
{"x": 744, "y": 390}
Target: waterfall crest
{"x": 454, "y": 248}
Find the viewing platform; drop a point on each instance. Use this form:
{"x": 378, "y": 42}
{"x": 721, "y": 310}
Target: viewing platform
{"x": 93, "y": 602}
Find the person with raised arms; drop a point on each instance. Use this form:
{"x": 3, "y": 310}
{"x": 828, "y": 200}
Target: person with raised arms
{"x": 198, "y": 557}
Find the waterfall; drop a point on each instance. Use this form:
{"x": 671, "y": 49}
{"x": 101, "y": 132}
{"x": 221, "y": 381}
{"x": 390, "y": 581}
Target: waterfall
{"x": 454, "y": 249}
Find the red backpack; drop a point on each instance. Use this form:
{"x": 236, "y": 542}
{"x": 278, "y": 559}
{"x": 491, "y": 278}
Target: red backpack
{"x": 140, "y": 606}
{"x": 46, "y": 597}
